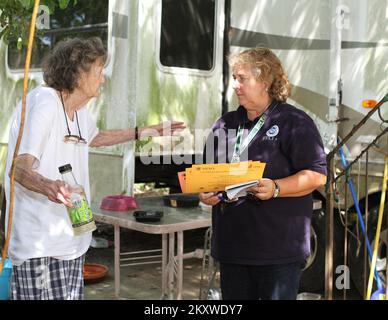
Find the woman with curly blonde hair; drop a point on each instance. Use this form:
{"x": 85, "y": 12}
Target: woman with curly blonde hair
{"x": 262, "y": 239}
{"x": 265, "y": 67}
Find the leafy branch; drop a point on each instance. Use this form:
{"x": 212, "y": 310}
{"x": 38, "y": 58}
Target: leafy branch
{"x": 15, "y": 17}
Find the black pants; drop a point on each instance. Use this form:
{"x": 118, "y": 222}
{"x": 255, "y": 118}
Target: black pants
{"x": 270, "y": 282}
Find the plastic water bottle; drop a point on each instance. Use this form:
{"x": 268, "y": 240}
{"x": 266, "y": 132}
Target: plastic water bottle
{"x": 80, "y": 214}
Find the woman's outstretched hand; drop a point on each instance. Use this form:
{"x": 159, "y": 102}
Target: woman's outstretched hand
{"x": 167, "y": 128}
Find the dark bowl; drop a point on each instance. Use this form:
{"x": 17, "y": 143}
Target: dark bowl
{"x": 148, "y": 216}
{"x": 181, "y": 200}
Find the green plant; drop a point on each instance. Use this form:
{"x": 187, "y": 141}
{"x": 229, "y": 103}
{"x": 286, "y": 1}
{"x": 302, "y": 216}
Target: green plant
{"x": 15, "y": 17}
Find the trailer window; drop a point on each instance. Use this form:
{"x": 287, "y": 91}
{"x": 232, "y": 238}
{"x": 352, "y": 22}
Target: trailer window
{"x": 187, "y": 34}
{"x": 85, "y": 19}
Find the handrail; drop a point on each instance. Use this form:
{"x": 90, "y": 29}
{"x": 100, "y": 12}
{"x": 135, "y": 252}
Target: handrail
{"x": 373, "y": 143}
{"x": 358, "y": 126}
{"x": 330, "y": 194}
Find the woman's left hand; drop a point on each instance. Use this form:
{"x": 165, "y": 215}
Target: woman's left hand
{"x": 167, "y": 128}
{"x": 264, "y": 190}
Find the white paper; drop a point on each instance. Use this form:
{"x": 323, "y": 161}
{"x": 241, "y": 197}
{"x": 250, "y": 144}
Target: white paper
{"x": 239, "y": 189}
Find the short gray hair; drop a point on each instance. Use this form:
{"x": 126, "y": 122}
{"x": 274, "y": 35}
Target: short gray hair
{"x": 62, "y": 66}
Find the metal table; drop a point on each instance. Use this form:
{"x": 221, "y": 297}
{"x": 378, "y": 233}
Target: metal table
{"x": 171, "y": 226}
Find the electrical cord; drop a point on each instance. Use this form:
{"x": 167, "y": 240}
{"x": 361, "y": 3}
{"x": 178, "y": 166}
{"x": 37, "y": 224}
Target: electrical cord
{"x": 21, "y": 129}
{"x": 381, "y": 116}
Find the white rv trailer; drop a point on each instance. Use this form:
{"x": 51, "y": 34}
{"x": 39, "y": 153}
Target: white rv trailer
{"x": 168, "y": 61}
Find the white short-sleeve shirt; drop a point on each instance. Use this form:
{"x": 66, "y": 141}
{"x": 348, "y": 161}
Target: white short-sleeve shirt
{"x": 40, "y": 227}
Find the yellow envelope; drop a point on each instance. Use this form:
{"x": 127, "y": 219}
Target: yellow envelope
{"x": 215, "y": 177}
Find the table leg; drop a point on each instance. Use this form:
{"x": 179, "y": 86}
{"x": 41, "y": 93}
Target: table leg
{"x": 171, "y": 265}
{"x": 117, "y": 260}
{"x": 164, "y": 265}
{"x": 180, "y": 265}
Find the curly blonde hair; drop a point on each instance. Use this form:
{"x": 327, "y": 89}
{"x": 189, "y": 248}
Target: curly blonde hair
{"x": 265, "y": 66}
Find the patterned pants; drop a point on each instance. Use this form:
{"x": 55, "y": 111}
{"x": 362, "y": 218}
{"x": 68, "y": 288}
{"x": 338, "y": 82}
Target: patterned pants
{"x": 48, "y": 279}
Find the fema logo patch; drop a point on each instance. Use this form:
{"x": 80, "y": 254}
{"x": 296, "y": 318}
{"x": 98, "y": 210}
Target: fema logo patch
{"x": 273, "y": 132}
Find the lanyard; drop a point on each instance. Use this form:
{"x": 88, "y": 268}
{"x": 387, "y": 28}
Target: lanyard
{"x": 238, "y": 147}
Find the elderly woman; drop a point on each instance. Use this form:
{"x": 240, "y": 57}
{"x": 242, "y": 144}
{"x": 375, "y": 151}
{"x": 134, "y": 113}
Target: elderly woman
{"x": 47, "y": 258}
{"x": 262, "y": 240}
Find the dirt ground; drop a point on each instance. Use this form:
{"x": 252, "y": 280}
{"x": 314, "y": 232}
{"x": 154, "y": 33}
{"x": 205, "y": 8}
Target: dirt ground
{"x": 145, "y": 282}
{"x": 141, "y": 282}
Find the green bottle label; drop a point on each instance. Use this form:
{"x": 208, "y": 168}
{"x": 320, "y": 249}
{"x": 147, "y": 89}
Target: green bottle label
{"x": 81, "y": 213}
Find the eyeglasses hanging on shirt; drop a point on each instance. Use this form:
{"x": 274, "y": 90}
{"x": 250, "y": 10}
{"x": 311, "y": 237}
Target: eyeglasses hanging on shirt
{"x": 71, "y": 138}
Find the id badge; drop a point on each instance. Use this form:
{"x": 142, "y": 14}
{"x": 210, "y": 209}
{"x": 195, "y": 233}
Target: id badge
{"x": 235, "y": 159}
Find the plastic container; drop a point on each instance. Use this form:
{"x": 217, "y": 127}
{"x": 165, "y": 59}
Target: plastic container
{"x": 119, "y": 203}
{"x": 99, "y": 243}
{"x": 308, "y": 296}
{"x": 94, "y": 272}
{"x": 5, "y": 280}
{"x": 80, "y": 214}
{"x": 181, "y": 200}
{"x": 148, "y": 216}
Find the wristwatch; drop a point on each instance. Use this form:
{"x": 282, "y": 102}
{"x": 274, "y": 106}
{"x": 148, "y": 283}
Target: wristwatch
{"x": 276, "y": 191}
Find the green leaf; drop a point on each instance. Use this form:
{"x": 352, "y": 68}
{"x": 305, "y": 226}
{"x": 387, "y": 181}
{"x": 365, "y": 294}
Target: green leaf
{"x": 19, "y": 43}
{"x": 51, "y": 4}
{"x": 63, "y": 4}
{"x": 27, "y": 4}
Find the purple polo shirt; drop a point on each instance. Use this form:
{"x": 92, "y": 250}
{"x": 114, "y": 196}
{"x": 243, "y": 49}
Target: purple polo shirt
{"x": 277, "y": 230}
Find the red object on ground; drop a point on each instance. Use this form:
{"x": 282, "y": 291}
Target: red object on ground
{"x": 119, "y": 203}
{"x": 94, "y": 272}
